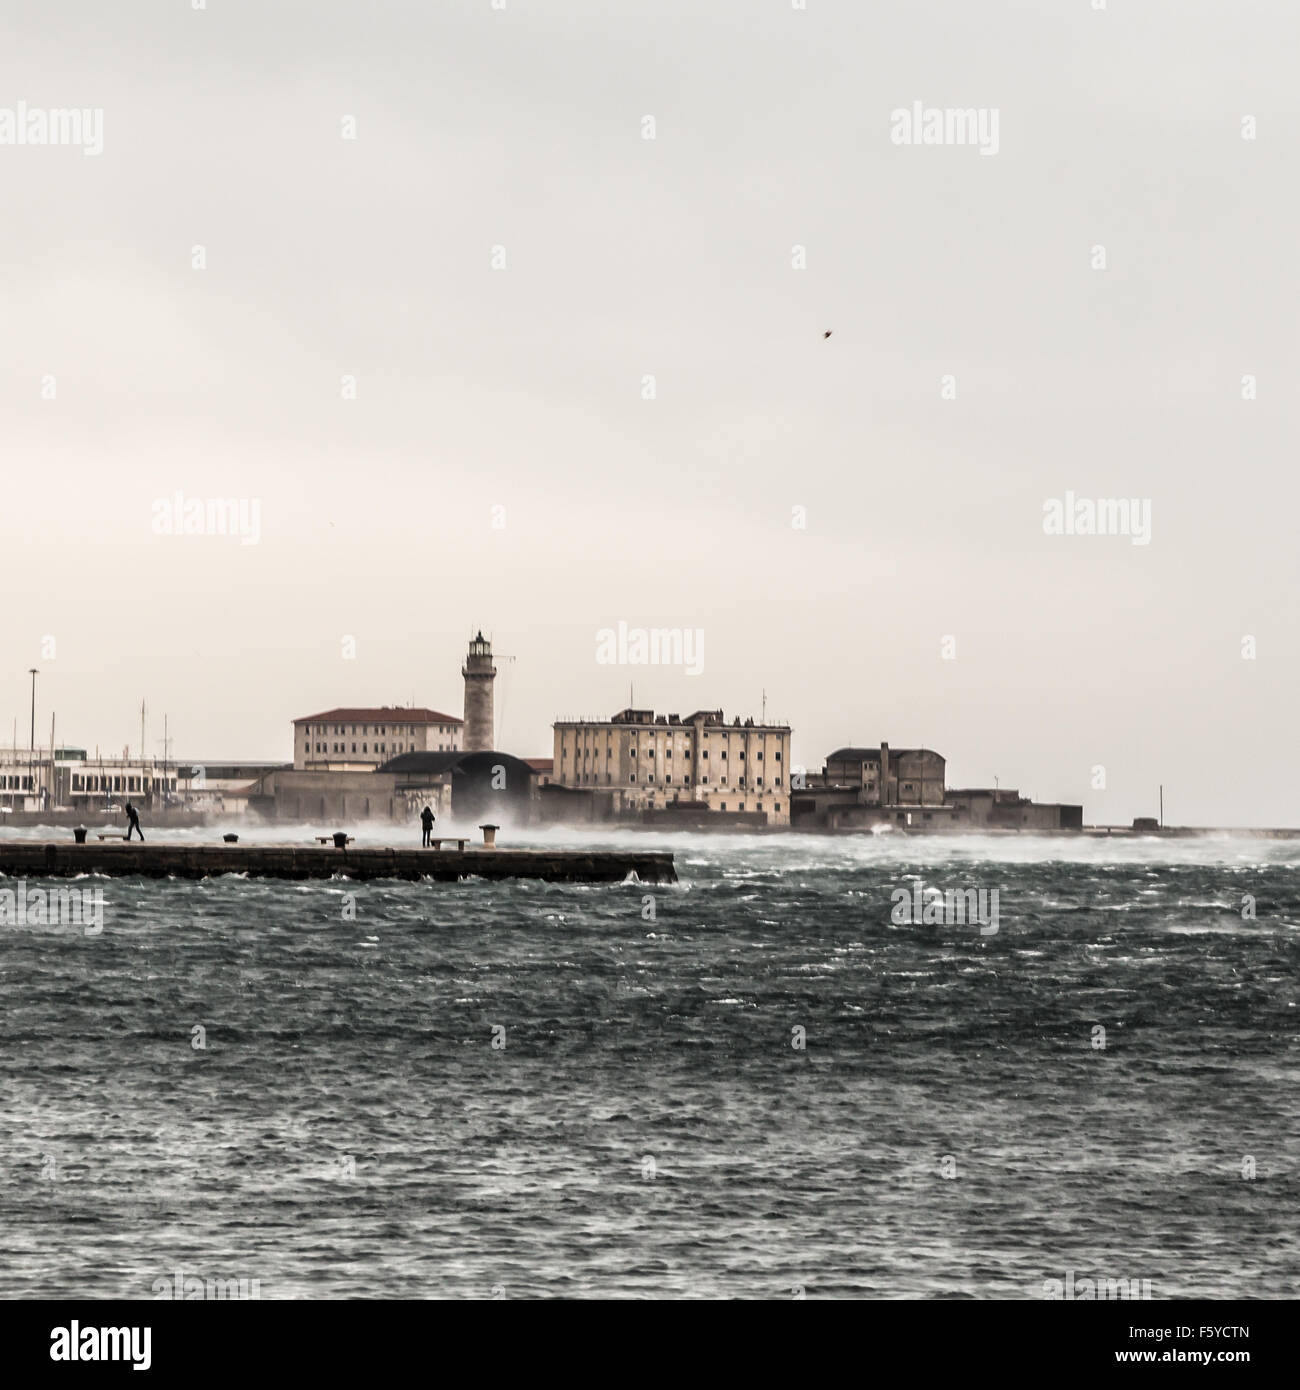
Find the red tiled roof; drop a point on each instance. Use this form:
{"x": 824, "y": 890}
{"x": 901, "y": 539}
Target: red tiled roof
{"x": 386, "y": 714}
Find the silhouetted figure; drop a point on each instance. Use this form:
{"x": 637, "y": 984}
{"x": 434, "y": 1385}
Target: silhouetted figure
{"x": 426, "y": 819}
{"x": 134, "y": 817}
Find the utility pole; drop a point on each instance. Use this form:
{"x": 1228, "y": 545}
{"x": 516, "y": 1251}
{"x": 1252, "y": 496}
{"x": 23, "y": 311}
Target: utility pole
{"x": 1162, "y": 805}
{"x": 31, "y": 754}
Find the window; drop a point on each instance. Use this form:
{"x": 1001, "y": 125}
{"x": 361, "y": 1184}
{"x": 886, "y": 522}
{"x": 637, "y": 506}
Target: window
{"x": 354, "y": 746}
{"x": 723, "y": 806}
{"x": 760, "y": 755}
{"x": 724, "y": 755}
{"x": 776, "y": 806}
{"x": 778, "y": 756}
{"x": 705, "y": 755}
{"x": 363, "y": 748}
{"x": 632, "y": 777}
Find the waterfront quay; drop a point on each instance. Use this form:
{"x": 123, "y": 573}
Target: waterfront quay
{"x": 119, "y": 859}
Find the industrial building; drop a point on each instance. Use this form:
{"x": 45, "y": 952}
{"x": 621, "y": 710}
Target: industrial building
{"x": 861, "y": 788}
{"x": 638, "y": 761}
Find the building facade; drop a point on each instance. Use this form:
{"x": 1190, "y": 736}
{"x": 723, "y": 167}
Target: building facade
{"x": 73, "y": 779}
{"x": 646, "y": 762}
{"x": 889, "y": 777}
{"x": 1004, "y": 808}
{"x": 360, "y": 740}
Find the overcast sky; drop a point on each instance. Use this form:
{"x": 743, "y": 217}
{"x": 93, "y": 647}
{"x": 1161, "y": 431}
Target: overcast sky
{"x": 130, "y": 375}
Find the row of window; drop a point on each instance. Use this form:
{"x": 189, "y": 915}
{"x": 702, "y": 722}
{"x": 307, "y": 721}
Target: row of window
{"x": 704, "y": 781}
{"x": 88, "y": 782}
{"x": 594, "y": 778}
{"x": 16, "y": 784}
{"x": 407, "y": 730}
{"x": 365, "y": 748}
{"x": 666, "y": 755}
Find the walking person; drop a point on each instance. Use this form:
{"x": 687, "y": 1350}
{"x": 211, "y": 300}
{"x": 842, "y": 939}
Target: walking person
{"x": 426, "y": 819}
{"x": 134, "y": 817}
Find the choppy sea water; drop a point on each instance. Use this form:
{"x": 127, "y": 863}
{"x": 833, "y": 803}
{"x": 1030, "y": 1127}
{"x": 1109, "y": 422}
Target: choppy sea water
{"x": 647, "y": 1123}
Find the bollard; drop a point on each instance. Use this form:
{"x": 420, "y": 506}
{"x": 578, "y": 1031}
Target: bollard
{"x": 231, "y": 839}
{"x": 79, "y": 834}
{"x": 340, "y": 839}
{"x": 489, "y": 835}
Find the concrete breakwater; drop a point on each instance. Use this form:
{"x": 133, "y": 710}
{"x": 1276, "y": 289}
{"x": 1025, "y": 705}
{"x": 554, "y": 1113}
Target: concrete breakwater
{"x": 41, "y": 859}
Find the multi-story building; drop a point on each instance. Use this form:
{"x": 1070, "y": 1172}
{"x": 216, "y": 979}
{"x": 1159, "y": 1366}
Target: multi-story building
{"x": 889, "y": 777}
{"x": 644, "y": 761}
{"x": 360, "y": 740}
{"x": 33, "y": 780}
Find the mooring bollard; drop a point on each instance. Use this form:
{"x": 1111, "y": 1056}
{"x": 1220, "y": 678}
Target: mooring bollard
{"x": 489, "y": 835}
{"x": 340, "y": 839}
{"x": 231, "y": 839}
{"x": 79, "y": 834}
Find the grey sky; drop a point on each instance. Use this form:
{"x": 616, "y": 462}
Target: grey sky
{"x": 522, "y": 388}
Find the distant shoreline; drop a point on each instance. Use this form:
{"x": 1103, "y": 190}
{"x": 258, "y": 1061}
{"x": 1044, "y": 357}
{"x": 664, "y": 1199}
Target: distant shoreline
{"x": 176, "y": 819}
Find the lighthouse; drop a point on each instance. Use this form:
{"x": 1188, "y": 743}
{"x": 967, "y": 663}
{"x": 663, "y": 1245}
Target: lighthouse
{"x": 479, "y": 673}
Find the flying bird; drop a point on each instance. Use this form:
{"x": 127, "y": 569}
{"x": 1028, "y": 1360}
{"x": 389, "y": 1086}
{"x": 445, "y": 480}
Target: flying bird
{"x": 828, "y": 333}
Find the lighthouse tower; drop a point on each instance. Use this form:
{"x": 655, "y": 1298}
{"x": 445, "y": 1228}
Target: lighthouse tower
{"x": 479, "y": 673}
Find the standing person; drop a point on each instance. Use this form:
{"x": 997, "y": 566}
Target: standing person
{"x": 426, "y": 819}
{"x": 134, "y": 817}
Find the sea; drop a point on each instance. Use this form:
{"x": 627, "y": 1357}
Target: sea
{"x": 772, "y": 1079}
